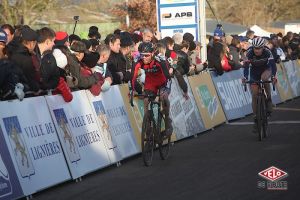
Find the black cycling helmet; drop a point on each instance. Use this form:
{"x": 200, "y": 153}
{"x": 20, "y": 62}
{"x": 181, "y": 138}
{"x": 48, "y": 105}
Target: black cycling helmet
{"x": 146, "y": 47}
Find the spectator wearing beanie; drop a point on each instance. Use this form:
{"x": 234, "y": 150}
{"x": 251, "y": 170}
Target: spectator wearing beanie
{"x": 73, "y": 38}
{"x": 62, "y": 39}
{"x": 94, "y": 33}
{"x": 22, "y": 57}
{"x": 86, "y": 78}
{"x": 216, "y": 51}
{"x": 190, "y": 38}
{"x": 126, "y": 61}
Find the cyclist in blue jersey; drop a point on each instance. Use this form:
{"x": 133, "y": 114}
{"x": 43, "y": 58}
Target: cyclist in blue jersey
{"x": 262, "y": 67}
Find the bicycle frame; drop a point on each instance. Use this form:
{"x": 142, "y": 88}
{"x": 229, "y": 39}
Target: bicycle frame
{"x": 261, "y": 110}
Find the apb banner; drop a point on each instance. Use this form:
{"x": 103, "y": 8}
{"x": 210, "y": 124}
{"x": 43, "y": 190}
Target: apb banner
{"x": 186, "y": 119}
{"x": 10, "y": 187}
{"x": 79, "y": 134}
{"x": 112, "y": 107}
{"x": 33, "y": 144}
{"x": 207, "y": 100}
{"x": 178, "y": 16}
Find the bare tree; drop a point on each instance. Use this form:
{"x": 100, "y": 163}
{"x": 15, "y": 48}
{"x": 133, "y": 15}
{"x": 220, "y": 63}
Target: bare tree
{"x": 254, "y": 11}
{"x": 24, "y": 11}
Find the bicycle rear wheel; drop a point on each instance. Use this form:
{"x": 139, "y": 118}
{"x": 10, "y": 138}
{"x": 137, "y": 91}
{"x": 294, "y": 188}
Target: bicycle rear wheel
{"x": 147, "y": 139}
{"x": 259, "y": 117}
{"x": 164, "y": 141}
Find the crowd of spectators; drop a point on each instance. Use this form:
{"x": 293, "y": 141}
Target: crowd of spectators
{"x": 43, "y": 62}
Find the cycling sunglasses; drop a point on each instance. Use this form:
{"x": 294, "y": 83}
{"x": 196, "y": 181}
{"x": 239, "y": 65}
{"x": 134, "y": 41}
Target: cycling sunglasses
{"x": 145, "y": 55}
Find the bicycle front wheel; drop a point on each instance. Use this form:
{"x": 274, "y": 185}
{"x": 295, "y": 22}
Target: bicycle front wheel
{"x": 147, "y": 139}
{"x": 164, "y": 141}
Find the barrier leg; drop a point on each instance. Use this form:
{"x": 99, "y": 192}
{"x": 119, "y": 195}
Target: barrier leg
{"x": 119, "y": 164}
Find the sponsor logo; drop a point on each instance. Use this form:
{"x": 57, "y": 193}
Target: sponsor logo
{"x": 273, "y": 175}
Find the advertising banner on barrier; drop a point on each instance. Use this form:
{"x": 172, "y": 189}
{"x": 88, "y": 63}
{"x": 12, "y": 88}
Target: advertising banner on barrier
{"x": 102, "y": 121}
{"x": 292, "y": 72}
{"x": 135, "y": 114}
{"x": 231, "y": 94}
{"x": 207, "y": 100}
{"x": 33, "y": 144}
{"x": 184, "y": 112}
{"x": 283, "y": 85}
{"x": 79, "y": 133}
{"x": 110, "y": 104}
{"x": 10, "y": 187}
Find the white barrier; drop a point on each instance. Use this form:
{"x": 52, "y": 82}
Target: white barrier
{"x": 79, "y": 134}
{"x": 109, "y": 107}
{"x": 186, "y": 119}
{"x": 33, "y": 144}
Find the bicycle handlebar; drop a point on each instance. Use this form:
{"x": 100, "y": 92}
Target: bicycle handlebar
{"x": 258, "y": 82}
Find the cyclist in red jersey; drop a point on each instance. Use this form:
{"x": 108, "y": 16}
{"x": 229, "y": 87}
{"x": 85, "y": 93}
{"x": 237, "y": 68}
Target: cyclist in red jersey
{"x": 156, "y": 77}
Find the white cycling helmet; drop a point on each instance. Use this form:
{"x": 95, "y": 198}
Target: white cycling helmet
{"x": 258, "y": 42}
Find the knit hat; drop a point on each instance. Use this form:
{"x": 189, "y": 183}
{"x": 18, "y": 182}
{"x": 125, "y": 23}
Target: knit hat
{"x": 136, "y": 37}
{"x": 188, "y": 37}
{"x": 126, "y": 40}
{"x": 93, "y": 32}
{"x": 91, "y": 59}
{"x": 74, "y": 37}
{"x": 218, "y": 32}
{"x": 61, "y": 37}
{"x": 3, "y": 36}
{"x": 61, "y": 58}
{"x": 28, "y": 34}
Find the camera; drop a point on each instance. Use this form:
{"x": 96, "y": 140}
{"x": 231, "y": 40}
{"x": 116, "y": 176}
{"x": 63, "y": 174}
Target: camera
{"x": 76, "y": 18}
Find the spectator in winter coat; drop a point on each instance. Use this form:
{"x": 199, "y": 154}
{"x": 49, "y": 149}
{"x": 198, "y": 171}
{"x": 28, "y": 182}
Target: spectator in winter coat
{"x": 86, "y": 79}
{"x": 216, "y": 52}
{"x": 234, "y": 50}
{"x": 116, "y": 62}
{"x": 47, "y": 71}
{"x": 22, "y": 57}
{"x": 10, "y": 76}
{"x": 126, "y": 45}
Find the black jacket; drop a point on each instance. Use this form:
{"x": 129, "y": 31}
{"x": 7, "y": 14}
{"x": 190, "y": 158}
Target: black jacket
{"x": 214, "y": 57}
{"x": 116, "y": 64}
{"x": 50, "y": 73}
{"x": 234, "y": 51}
{"x": 23, "y": 58}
